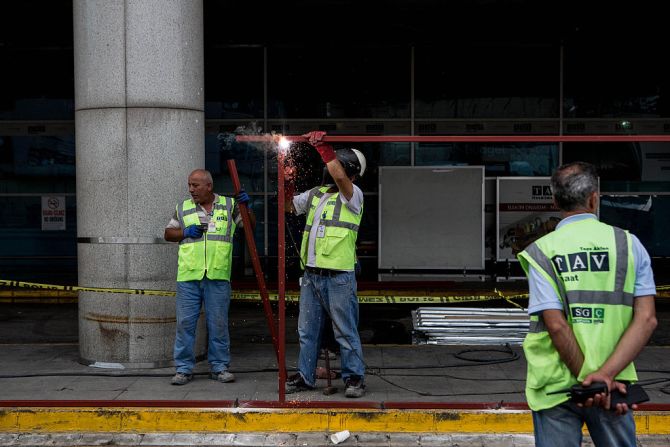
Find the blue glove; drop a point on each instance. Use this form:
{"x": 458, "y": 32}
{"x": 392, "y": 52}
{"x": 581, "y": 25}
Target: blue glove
{"x": 193, "y": 232}
{"x": 242, "y": 197}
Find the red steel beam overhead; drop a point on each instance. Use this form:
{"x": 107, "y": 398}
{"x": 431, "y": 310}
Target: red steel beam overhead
{"x": 466, "y": 138}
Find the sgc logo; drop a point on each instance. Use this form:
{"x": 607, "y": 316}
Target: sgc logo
{"x": 587, "y": 314}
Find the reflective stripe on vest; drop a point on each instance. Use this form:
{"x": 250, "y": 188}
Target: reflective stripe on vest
{"x": 597, "y": 302}
{"x": 616, "y": 297}
{"x": 337, "y": 249}
{"x": 210, "y": 254}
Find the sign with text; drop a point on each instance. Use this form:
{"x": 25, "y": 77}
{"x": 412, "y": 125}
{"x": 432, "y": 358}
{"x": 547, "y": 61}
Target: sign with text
{"x": 53, "y": 213}
{"x": 525, "y": 212}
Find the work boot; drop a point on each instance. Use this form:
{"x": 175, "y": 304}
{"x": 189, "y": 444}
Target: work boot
{"x": 223, "y": 376}
{"x": 354, "y": 387}
{"x": 295, "y": 384}
{"x": 181, "y": 379}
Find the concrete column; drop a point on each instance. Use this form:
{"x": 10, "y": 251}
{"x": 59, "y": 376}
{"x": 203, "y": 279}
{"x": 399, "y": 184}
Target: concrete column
{"x": 139, "y": 117}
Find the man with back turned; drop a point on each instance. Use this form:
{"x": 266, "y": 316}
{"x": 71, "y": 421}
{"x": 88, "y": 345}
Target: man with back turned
{"x": 592, "y": 311}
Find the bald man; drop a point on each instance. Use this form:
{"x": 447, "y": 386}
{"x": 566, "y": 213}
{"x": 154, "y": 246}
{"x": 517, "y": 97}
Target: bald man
{"x": 204, "y": 226}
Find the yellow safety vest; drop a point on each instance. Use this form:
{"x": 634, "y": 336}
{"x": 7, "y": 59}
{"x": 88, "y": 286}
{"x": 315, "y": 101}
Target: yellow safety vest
{"x": 590, "y": 265}
{"x": 212, "y": 253}
{"x": 336, "y": 250}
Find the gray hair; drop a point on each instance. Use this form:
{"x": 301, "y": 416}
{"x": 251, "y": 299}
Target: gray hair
{"x": 572, "y": 184}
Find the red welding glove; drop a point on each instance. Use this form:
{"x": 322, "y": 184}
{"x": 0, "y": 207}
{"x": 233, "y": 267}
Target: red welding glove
{"x": 315, "y": 138}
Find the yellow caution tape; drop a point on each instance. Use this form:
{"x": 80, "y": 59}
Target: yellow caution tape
{"x": 68, "y": 294}
{"x": 33, "y": 285}
{"x": 38, "y": 291}
{"x": 508, "y": 299}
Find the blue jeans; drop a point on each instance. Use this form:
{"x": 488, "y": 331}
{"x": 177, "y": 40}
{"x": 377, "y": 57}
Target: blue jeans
{"x": 561, "y": 426}
{"x": 190, "y": 296}
{"x": 338, "y": 294}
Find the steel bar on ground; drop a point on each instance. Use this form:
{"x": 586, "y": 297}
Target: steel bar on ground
{"x": 461, "y": 326}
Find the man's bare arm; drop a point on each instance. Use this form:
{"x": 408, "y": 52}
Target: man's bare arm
{"x": 343, "y": 182}
{"x": 635, "y": 338}
{"x": 173, "y": 234}
{"x": 564, "y": 340}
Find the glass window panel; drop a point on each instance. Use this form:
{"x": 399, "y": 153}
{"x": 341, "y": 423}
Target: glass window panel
{"x": 500, "y": 159}
{"x": 256, "y": 205}
{"x": 44, "y": 159}
{"x": 37, "y": 61}
{"x": 356, "y": 82}
{"x": 369, "y": 228}
{"x": 29, "y": 254}
{"x": 646, "y": 216}
{"x": 487, "y": 82}
{"x": 233, "y": 82}
{"x": 394, "y": 154}
{"x": 248, "y": 161}
{"x": 622, "y": 79}
{"x": 625, "y": 166}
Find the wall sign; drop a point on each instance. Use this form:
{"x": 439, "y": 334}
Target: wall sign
{"x": 53, "y": 213}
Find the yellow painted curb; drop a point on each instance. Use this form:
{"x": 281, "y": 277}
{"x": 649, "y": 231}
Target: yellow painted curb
{"x": 147, "y": 420}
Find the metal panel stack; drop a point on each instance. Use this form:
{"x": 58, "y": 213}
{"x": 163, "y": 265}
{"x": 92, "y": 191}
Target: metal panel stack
{"x": 469, "y": 326}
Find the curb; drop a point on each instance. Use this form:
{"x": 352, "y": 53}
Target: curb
{"x": 255, "y": 420}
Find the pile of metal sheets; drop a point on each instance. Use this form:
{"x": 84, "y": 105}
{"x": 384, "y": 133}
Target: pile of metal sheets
{"x": 469, "y": 326}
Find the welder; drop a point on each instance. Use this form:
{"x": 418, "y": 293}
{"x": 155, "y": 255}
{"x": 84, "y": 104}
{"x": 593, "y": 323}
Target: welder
{"x": 328, "y": 257}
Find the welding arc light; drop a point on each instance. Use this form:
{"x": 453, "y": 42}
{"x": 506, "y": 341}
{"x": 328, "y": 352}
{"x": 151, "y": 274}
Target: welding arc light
{"x": 284, "y": 143}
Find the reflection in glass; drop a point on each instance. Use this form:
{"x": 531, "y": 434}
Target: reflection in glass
{"x": 487, "y": 82}
{"x": 233, "y": 82}
{"x": 499, "y": 159}
{"x": 646, "y": 216}
{"x": 357, "y": 82}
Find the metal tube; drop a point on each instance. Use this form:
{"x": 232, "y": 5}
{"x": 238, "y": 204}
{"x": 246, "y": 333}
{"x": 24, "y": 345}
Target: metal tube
{"x": 251, "y": 243}
{"x": 465, "y": 138}
{"x": 281, "y": 280}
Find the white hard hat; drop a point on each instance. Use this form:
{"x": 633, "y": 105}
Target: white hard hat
{"x": 352, "y": 160}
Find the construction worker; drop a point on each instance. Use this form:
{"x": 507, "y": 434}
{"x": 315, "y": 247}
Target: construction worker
{"x": 204, "y": 226}
{"x": 328, "y": 256}
{"x": 592, "y": 311}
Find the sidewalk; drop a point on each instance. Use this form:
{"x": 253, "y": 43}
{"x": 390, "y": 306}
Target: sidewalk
{"x": 411, "y": 389}
{"x": 417, "y": 395}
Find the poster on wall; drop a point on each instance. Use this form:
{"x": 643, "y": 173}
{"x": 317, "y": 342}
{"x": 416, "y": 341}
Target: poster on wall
{"x": 525, "y": 213}
{"x": 53, "y": 213}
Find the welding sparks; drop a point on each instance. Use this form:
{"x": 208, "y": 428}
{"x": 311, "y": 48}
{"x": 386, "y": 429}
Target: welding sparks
{"x": 284, "y": 144}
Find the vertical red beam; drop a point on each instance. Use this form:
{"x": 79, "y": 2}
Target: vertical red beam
{"x": 251, "y": 243}
{"x": 281, "y": 281}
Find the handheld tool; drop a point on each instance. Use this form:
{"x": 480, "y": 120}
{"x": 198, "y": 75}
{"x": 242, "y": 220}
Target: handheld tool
{"x": 330, "y": 389}
{"x": 635, "y": 394}
{"x": 579, "y": 393}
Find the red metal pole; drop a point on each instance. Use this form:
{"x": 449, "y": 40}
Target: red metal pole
{"x": 465, "y": 138}
{"x": 281, "y": 272}
{"x": 251, "y": 243}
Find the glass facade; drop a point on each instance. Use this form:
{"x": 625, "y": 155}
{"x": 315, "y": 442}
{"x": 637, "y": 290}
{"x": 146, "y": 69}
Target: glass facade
{"x": 478, "y": 82}
{"x": 418, "y": 80}
{"x": 499, "y": 159}
{"x": 358, "y": 82}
